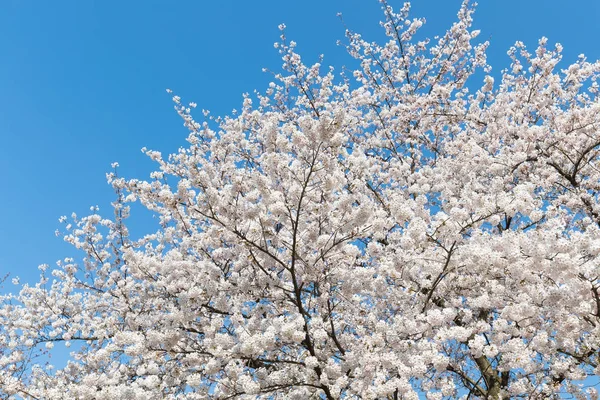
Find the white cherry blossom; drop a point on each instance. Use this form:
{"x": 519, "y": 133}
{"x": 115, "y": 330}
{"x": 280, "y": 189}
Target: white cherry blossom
{"x": 400, "y": 230}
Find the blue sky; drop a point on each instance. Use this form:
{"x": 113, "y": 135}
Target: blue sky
{"x": 83, "y": 84}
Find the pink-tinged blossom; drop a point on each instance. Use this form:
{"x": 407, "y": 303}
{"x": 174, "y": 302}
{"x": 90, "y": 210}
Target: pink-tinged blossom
{"x": 387, "y": 233}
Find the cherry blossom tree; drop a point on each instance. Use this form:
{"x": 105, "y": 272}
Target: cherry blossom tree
{"x": 383, "y": 233}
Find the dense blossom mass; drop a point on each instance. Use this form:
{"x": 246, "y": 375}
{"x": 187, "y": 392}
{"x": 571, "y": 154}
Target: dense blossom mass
{"x": 394, "y": 231}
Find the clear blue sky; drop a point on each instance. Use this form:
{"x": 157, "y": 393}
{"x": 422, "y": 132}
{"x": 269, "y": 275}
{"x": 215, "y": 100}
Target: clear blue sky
{"x": 82, "y": 84}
